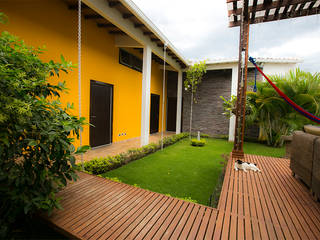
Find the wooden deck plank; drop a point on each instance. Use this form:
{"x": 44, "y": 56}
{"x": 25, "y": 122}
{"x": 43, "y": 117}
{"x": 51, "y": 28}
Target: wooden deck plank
{"x": 177, "y": 231}
{"x": 216, "y": 234}
{"x": 258, "y": 206}
{"x": 240, "y": 220}
{"x": 264, "y": 207}
{"x": 228, "y": 206}
{"x": 185, "y": 232}
{"x": 167, "y": 229}
{"x": 302, "y": 202}
{"x": 234, "y": 208}
{"x": 301, "y": 226}
{"x": 205, "y": 224}
{"x": 195, "y": 226}
{"x": 267, "y": 205}
{"x": 122, "y": 217}
{"x": 149, "y": 231}
{"x": 225, "y": 186}
{"x": 149, "y": 220}
{"x": 141, "y": 217}
{"x": 158, "y": 230}
{"x": 81, "y": 196}
{"x": 108, "y": 213}
{"x": 108, "y": 206}
{"x": 246, "y": 210}
{"x": 278, "y": 219}
{"x": 286, "y": 210}
{"x": 86, "y": 205}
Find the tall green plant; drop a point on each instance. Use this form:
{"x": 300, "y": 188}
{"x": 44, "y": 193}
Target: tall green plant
{"x": 273, "y": 115}
{"x": 36, "y": 132}
{"x": 193, "y": 79}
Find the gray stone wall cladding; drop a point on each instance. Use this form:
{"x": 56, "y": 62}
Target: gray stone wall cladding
{"x": 207, "y": 112}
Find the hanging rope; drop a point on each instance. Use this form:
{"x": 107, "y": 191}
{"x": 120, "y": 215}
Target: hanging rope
{"x": 79, "y": 71}
{"x": 163, "y": 92}
{"x": 255, "y": 80}
{"x": 286, "y": 98}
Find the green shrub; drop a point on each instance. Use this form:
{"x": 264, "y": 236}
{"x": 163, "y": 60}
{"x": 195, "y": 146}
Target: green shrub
{"x": 115, "y": 179}
{"x": 105, "y": 164}
{"x": 271, "y": 112}
{"x": 36, "y": 133}
{"x": 198, "y": 143}
{"x": 188, "y": 199}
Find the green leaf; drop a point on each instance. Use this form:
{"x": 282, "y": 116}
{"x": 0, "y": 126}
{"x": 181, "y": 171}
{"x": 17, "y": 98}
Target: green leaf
{"x": 32, "y": 143}
{"x": 82, "y": 149}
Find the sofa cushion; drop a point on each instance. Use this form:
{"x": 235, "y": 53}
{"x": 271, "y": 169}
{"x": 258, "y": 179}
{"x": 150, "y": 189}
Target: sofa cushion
{"x": 315, "y": 130}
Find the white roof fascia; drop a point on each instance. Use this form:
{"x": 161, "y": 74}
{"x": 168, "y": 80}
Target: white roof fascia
{"x": 115, "y": 17}
{"x": 134, "y": 9}
{"x": 259, "y": 60}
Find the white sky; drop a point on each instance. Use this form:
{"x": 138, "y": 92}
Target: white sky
{"x": 199, "y": 30}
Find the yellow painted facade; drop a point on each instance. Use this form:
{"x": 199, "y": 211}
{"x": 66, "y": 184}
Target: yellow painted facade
{"x": 49, "y": 23}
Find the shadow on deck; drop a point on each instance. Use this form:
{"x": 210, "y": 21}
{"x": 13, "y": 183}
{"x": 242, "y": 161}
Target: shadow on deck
{"x": 267, "y": 205}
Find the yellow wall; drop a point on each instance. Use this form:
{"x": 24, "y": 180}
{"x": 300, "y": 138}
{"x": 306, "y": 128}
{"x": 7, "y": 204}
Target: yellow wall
{"x": 49, "y": 23}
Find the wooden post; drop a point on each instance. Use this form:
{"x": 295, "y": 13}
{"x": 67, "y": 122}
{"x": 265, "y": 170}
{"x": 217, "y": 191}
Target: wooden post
{"x": 237, "y": 151}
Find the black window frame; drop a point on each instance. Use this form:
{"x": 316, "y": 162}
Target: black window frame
{"x": 134, "y": 62}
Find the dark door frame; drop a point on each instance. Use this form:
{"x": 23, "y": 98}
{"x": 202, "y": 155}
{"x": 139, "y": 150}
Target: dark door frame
{"x": 158, "y": 110}
{"x": 167, "y": 114}
{"x": 111, "y": 110}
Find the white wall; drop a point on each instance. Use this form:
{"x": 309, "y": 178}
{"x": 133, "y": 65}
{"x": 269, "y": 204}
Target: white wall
{"x": 278, "y": 68}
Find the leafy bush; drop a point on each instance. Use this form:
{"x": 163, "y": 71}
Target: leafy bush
{"x": 36, "y": 151}
{"x": 273, "y": 115}
{"x": 102, "y": 165}
{"x": 198, "y": 143}
{"x": 188, "y": 199}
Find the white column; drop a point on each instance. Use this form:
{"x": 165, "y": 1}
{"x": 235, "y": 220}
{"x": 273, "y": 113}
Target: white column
{"x": 179, "y": 103}
{"x": 145, "y": 105}
{"x": 234, "y": 83}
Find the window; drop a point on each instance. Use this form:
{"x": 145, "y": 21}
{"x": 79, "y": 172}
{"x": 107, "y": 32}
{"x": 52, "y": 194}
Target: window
{"x": 130, "y": 60}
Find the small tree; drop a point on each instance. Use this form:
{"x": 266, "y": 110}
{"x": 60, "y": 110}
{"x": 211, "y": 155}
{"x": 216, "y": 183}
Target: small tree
{"x": 36, "y": 150}
{"x": 193, "y": 79}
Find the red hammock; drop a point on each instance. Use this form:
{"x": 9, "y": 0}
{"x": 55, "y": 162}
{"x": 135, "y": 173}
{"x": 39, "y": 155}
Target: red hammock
{"x": 285, "y": 97}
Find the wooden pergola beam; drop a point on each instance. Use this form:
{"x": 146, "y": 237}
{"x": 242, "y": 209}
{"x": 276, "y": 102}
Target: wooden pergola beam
{"x": 92, "y": 16}
{"x": 116, "y": 32}
{"x": 261, "y": 7}
{"x": 273, "y": 10}
{"x": 155, "y": 40}
{"x": 105, "y": 25}
{"x": 127, "y": 15}
{"x": 113, "y": 3}
{"x": 291, "y": 14}
{"x": 138, "y": 25}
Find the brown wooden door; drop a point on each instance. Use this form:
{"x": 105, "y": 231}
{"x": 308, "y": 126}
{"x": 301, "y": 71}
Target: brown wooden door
{"x": 154, "y": 113}
{"x": 101, "y": 109}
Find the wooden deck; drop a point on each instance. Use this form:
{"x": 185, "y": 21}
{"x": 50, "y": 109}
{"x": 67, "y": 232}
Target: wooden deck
{"x": 267, "y": 205}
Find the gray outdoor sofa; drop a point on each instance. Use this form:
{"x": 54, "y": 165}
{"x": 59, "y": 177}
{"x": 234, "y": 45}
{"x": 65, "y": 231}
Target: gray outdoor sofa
{"x": 305, "y": 159}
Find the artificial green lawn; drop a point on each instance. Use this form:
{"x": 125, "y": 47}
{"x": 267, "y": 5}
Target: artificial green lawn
{"x": 184, "y": 171}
